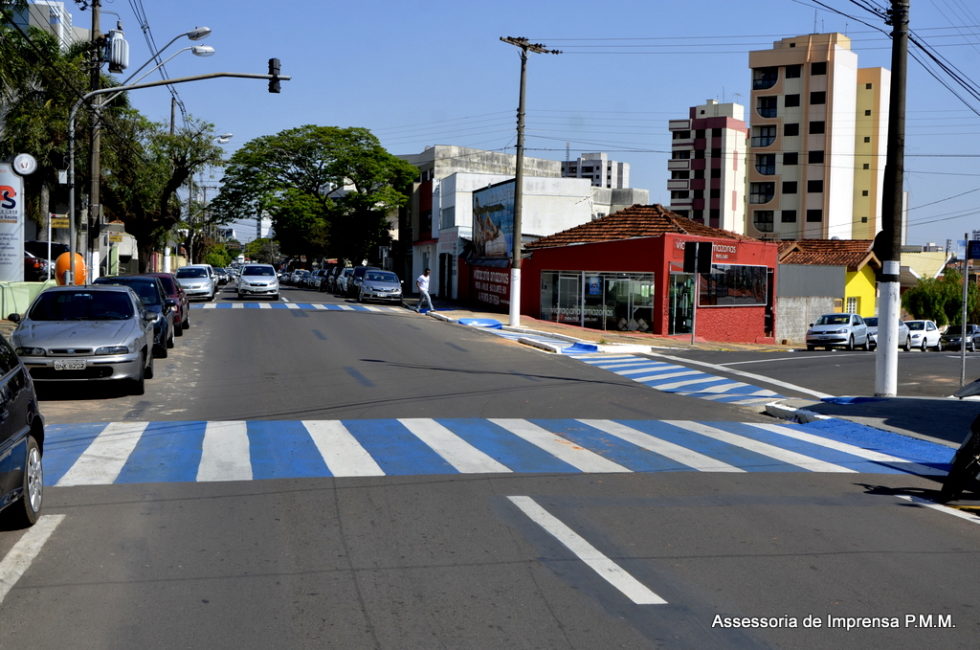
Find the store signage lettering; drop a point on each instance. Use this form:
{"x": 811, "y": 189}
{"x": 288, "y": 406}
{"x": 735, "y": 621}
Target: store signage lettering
{"x": 720, "y": 251}
{"x": 492, "y": 287}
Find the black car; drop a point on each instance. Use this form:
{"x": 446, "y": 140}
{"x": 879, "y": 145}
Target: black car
{"x": 21, "y": 443}
{"x": 953, "y": 337}
{"x": 155, "y": 300}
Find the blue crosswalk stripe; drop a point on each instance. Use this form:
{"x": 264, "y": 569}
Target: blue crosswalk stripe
{"x": 306, "y": 306}
{"x": 189, "y": 451}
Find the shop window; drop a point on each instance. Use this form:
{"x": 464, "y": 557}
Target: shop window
{"x": 730, "y": 284}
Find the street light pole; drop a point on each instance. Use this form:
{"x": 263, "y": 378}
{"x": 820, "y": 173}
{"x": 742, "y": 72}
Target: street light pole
{"x": 515, "y": 267}
{"x": 70, "y": 275}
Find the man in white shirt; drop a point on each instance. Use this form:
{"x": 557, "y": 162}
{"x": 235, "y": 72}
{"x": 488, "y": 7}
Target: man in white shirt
{"x": 422, "y": 282}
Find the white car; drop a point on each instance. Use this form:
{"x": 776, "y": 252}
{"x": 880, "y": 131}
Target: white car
{"x": 925, "y": 335}
{"x": 197, "y": 281}
{"x": 258, "y": 280}
{"x": 838, "y": 330}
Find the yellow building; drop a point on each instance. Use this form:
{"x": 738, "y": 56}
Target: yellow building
{"x": 859, "y": 293}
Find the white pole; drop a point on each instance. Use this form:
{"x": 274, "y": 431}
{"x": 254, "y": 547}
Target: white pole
{"x": 49, "y": 246}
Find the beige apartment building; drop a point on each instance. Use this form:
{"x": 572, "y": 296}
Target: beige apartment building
{"x": 817, "y": 141}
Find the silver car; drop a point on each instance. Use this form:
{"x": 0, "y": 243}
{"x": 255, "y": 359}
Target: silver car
{"x": 838, "y": 330}
{"x": 197, "y": 282}
{"x": 82, "y": 333}
{"x": 904, "y": 337}
{"x": 380, "y": 285}
{"x": 258, "y": 280}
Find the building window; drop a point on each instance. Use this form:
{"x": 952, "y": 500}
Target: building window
{"x": 682, "y": 135}
{"x": 680, "y": 175}
{"x": 868, "y": 86}
{"x": 762, "y": 220}
{"x": 699, "y": 154}
{"x": 818, "y": 67}
{"x": 791, "y": 100}
{"x": 814, "y": 187}
{"x": 864, "y": 220}
{"x": 679, "y": 194}
{"x": 714, "y": 194}
{"x": 789, "y": 187}
{"x": 763, "y": 136}
{"x": 794, "y": 71}
{"x": 765, "y": 163}
{"x": 766, "y": 106}
{"x": 867, "y": 138}
{"x": 716, "y": 152}
{"x": 715, "y": 172}
{"x": 818, "y": 97}
{"x": 790, "y": 158}
{"x": 788, "y": 216}
{"x": 682, "y": 213}
{"x": 866, "y": 166}
{"x": 867, "y": 113}
{"x": 681, "y": 155}
{"x": 761, "y": 192}
{"x": 816, "y": 127}
{"x": 698, "y": 173}
{"x": 791, "y": 129}
{"x": 814, "y": 216}
{"x": 763, "y": 78}
{"x": 864, "y": 192}
{"x": 730, "y": 284}
{"x": 814, "y": 157}
{"x": 852, "y": 305}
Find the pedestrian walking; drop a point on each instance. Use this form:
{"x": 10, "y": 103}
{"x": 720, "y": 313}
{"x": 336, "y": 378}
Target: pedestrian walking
{"x": 422, "y": 283}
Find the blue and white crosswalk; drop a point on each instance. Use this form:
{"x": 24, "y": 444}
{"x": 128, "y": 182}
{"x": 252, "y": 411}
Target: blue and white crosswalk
{"x": 673, "y": 378}
{"x": 315, "y": 306}
{"x": 198, "y": 451}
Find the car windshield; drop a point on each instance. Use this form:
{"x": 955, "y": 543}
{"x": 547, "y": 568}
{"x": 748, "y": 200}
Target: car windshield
{"x": 258, "y": 270}
{"x": 871, "y": 322}
{"x": 168, "y": 284}
{"x": 834, "y": 319}
{"x": 375, "y": 276}
{"x": 953, "y": 329}
{"x": 81, "y": 305}
{"x": 916, "y": 325}
{"x": 192, "y": 273}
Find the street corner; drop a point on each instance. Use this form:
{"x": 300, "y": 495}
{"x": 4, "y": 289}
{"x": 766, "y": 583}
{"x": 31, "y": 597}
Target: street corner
{"x": 795, "y": 409}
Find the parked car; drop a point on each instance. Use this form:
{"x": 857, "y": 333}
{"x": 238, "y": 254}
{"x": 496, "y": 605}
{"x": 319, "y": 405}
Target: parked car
{"x": 298, "y": 277}
{"x": 182, "y": 308}
{"x": 35, "y": 268}
{"x": 380, "y": 285}
{"x": 953, "y": 339}
{"x": 197, "y": 282}
{"x": 340, "y": 282}
{"x": 904, "y": 337}
{"x": 86, "y": 333}
{"x": 258, "y": 280}
{"x": 838, "y": 330}
{"x": 354, "y": 282}
{"x": 925, "y": 335}
{"x": 21, "y": 443}
{"x": 154, "y": 299}
{"x": 222, "y": 275}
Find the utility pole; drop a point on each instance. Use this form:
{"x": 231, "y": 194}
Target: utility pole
{"x": 95, "y": 148}
{"x": 888, "y": 243}
{"x": 515, "y": 268}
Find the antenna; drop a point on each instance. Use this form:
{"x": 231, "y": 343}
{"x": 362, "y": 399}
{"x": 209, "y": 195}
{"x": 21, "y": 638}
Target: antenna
{"x": 568, "y": 152}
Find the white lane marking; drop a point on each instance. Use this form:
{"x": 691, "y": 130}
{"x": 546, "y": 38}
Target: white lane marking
{"x": 562, "y": 448}
{"x": 371, "y": 308}
{"x": 608, "y": 570}
{"x": 292, "y": 305}
{"x": 853, "y": 450}
{"x": 320, "y": 306}
{"x": 284, "y": 298}
{"x": 457, "y": 452}
{"x": 722, "y": 388}
{"x": 265, "y": 305}
{"x": 225, "y": 452}
{"x": 342, "y": 453}
{"x": 238, "y": 305}
{"x": 665, "y": 448}
{"x": 20, "y": 557}
{"x": 704, "y": 379}
{"x": 668, "y": 375}
{"x": 346, "y": 308}
{"x": 632, "y": 363}
{"x": 105, "y": 457}
{"x": 938, "y": 507}
{"x": 643, "y": 369}
{"x": 741, "y": 373}
{"x": 208, "y": 305}
{"x": 772, "y": 451}
{"x": 796, "y": 358}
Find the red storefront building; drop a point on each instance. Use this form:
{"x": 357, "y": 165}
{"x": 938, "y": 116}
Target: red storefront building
{"x": 626, "y": 272}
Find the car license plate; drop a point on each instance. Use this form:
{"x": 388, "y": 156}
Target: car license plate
{"x": 69, "y": 364}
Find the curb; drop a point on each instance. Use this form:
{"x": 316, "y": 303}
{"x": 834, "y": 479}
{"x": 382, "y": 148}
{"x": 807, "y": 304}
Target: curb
{"x": 799, "y": 415}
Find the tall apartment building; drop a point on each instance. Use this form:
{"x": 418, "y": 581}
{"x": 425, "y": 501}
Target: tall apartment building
{"x": 52, "y": 17}
{"x": 818, "y": 127}
{"x": 707, "y": 165}
{"x": 601, "y": 171}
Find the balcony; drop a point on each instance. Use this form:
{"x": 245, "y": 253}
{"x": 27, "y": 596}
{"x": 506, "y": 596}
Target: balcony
{"x": 679, "y": 184}
{"x": 678, "y": 164}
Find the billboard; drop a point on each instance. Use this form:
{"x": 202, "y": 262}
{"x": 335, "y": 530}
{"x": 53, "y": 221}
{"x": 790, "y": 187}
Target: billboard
{"x": 493, "y": 220}
{"x": 11, "y": 225}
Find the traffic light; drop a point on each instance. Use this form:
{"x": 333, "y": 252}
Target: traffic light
{"x": 274, "y": 73}
{"x": 697, "y": 257}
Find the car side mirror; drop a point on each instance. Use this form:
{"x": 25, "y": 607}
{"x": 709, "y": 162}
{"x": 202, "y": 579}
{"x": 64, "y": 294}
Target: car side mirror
{"x": 810, "y": 325}
{"x": 14, "y": 318}
{"x": 149, "y": 316}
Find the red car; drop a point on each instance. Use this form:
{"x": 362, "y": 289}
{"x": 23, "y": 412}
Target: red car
{"x": 175, "y": 291}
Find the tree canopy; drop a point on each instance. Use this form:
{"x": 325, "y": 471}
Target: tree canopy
{"x": 328, "y": 189}
{"x": 941, "y": 299}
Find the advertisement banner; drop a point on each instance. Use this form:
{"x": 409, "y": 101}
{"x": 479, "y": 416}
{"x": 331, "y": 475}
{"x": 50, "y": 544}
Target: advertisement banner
{"x": 11, "y": 225}
{"x": 491, "y": 286}
{"x": 493, "y": 220}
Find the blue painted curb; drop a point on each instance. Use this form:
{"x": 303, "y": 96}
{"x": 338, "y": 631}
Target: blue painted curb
{"x": 489, "y": 323}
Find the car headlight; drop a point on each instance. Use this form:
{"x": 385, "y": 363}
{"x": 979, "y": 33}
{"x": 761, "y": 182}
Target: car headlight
{"x": 30, "y": 352}
{"x": 112, "y": 349}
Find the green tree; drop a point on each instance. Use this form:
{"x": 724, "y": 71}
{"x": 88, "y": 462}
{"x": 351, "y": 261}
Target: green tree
{"x": 327, "y": 189}
{"x": 262, "y": 250}
{"x": 941, "y": 299}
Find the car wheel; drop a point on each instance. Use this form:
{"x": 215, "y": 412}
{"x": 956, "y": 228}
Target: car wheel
{"x": 973, "y": 346}
{"x": 939, "y": 345}
{"x": 148, "y": 373}
{"x": 26, "y": 510}
{"x": 187, "y": 321}
{"x": 160, "y": 351}
{"x": 908, "y": 343}
{"x": 138, "y": 385}
{"x": 867, "y": 344}
{"x": 178, "y": 329}
{"x": 923, "y": 346}
{"x": 275, "y": 296}
{"x": 240, "y": 296}
{"x": 850, "y": 343}
{"x": 809, "y": 348}
{"x": 170, "y": 339}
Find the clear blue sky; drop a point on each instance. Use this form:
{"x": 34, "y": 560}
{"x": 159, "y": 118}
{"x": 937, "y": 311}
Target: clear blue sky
{"x": 435, "y": 72}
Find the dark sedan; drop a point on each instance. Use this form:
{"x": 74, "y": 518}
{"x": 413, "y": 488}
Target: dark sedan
{"x": 173, "y": 290}
{"x": 21, "y": 443}
{"x": 151, "y": 293}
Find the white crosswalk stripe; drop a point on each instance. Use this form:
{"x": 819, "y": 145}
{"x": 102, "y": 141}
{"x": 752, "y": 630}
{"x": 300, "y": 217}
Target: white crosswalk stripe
{"x": 667, "y": 449}
{"x": 341, "y": 452}
{"x": 457, "y": 452}
{"x": 225, "y": 452}
{"x": 106, "y": 456}
{"x": 578, "y": 457}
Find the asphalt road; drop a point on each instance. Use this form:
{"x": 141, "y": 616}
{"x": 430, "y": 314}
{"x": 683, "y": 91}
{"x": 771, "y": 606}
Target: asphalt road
{"x": 445, "y": 559}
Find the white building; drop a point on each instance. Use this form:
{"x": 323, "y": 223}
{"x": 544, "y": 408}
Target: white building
{"x": 52, "y": 17}
{"x": 601, "y": 171}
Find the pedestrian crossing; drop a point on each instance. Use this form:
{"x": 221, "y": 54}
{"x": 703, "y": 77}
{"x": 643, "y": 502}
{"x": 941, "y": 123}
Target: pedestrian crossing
{"x": 308, "y": 306}
{"x": 202, "y": 451}
{"x": 681, "y": 380}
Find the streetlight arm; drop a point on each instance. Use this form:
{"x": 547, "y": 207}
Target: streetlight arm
{"x": 147, "y": 73}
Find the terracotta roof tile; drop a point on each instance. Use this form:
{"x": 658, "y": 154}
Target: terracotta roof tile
{"x": 632, "y": 222}
{"x": 852, "y": 253}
